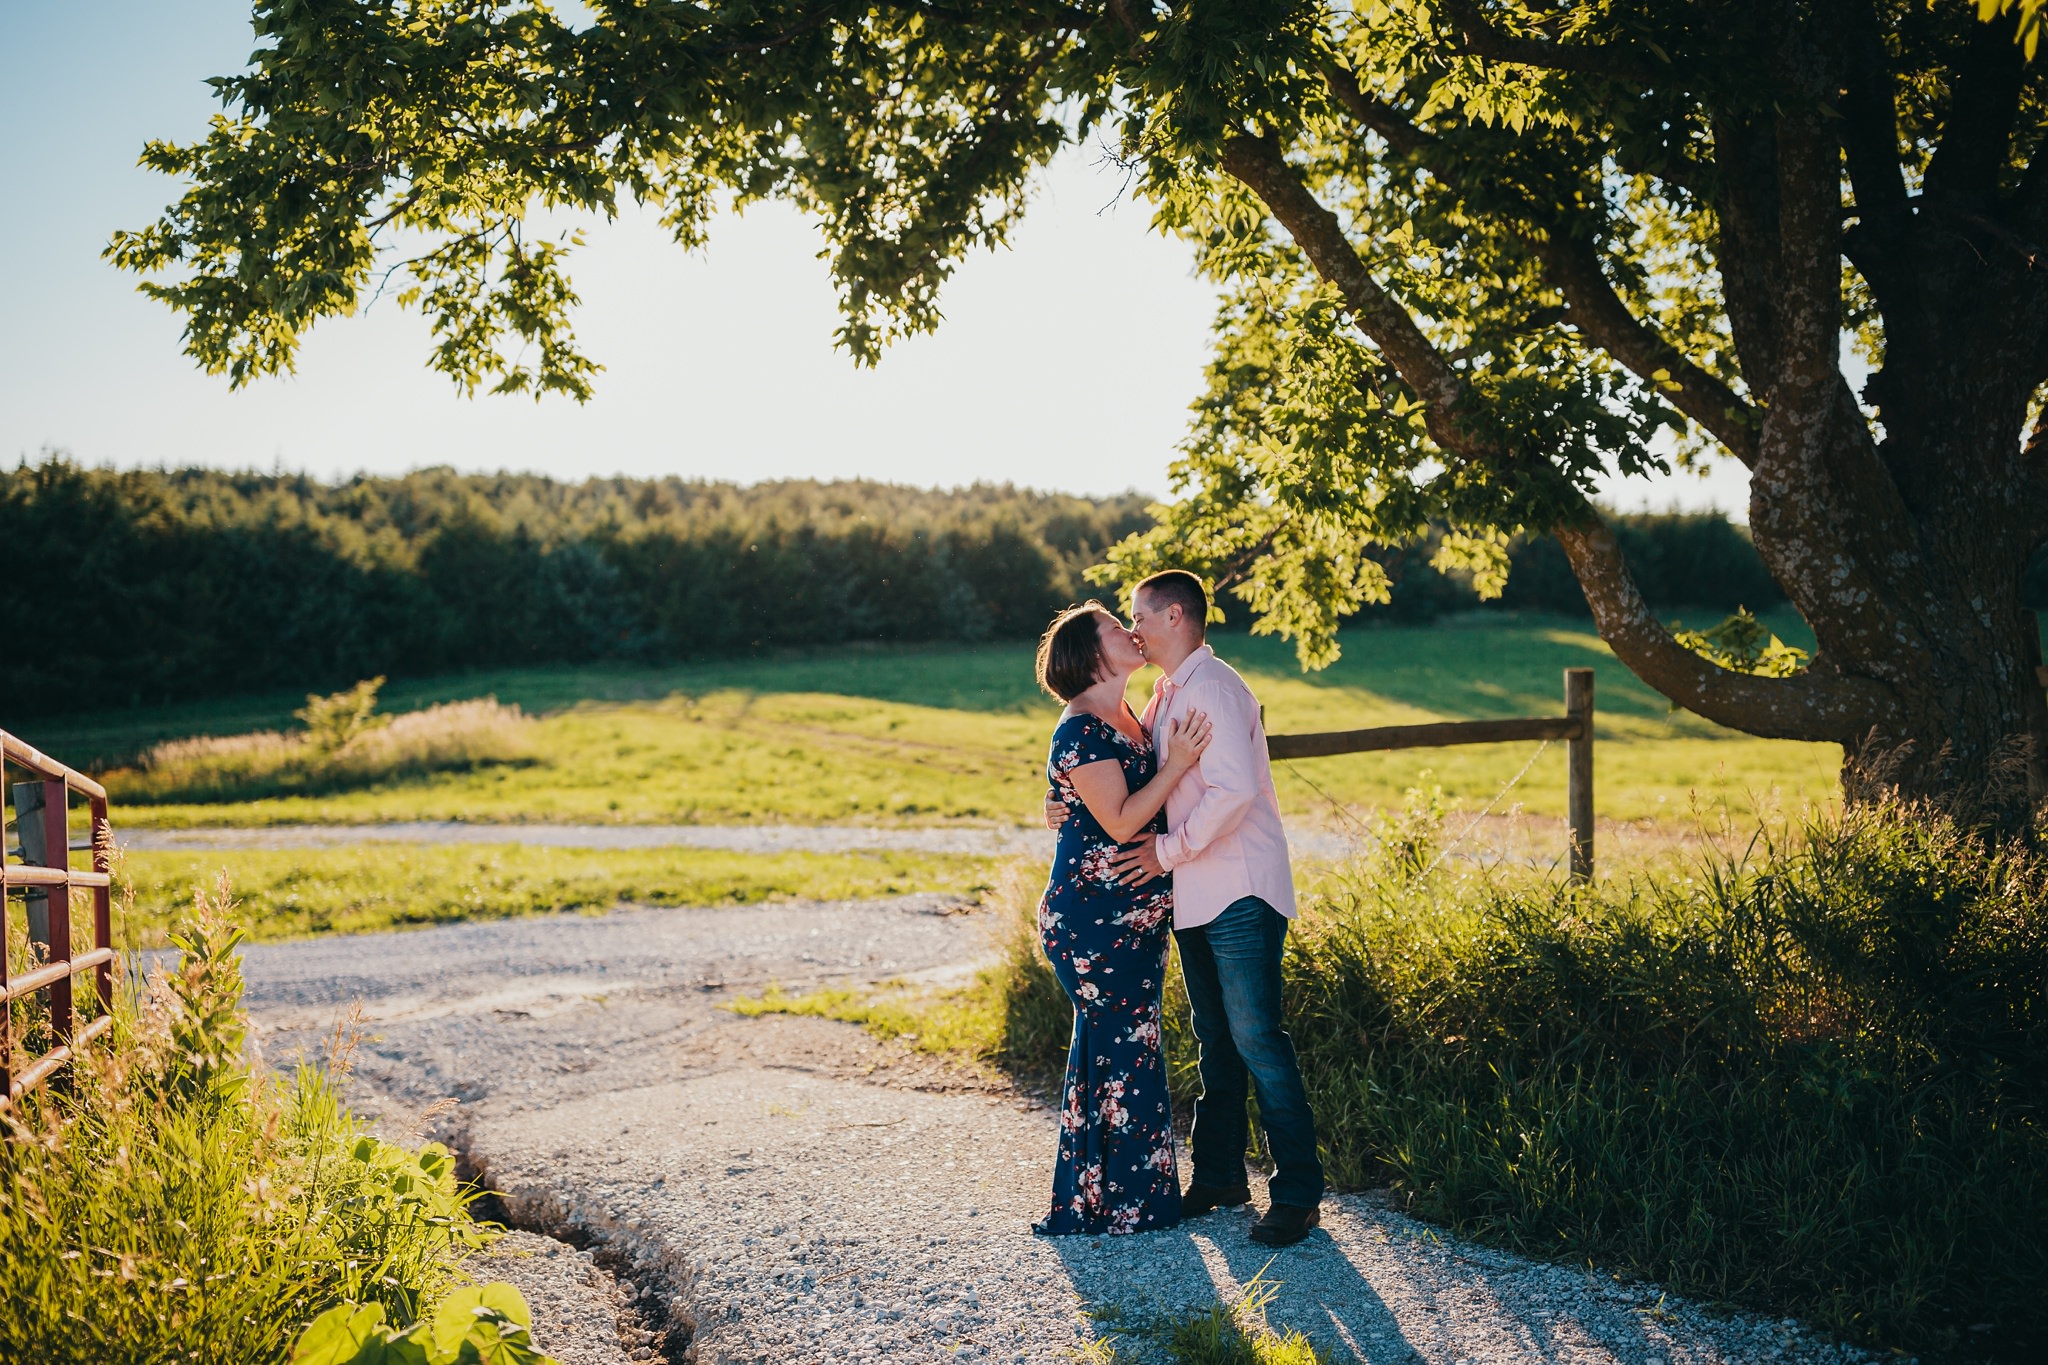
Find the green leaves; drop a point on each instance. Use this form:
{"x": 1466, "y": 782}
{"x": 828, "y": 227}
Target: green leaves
{"x": 419, "y": 138}
{"x": 475, "y": 1325}
{"x": 179, "y": 1204}
{"x": 1745, "y": 645}
{"x": 347, "y": 1334}
{"x": 2033, "y": 16}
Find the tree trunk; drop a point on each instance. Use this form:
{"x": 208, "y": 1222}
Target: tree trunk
{"x": 1969, "y": 736}
{"x": 1960, "y": 650}
{"x": 1906, "y": 556}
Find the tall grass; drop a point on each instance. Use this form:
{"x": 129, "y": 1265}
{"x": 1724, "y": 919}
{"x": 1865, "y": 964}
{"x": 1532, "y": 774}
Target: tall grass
{"x": 1808, "y": 1077}
{"x": 175, "y": 1205}
{"x": 453, "y": 737}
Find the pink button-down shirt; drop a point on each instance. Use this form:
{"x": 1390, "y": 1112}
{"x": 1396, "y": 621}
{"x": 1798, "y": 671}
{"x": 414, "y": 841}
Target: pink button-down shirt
{"x": 1223, "y": 837}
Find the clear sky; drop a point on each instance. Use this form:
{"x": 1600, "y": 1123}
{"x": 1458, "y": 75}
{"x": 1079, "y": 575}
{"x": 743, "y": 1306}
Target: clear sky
{"x": 1066, "y": 362}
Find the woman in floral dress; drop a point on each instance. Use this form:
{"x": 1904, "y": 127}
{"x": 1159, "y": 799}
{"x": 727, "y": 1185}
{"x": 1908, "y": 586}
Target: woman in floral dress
{"x": 1106, "y": 940}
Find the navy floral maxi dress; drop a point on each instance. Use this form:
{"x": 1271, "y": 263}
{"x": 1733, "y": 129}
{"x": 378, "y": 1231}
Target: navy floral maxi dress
{"x": 1107, "y": 944}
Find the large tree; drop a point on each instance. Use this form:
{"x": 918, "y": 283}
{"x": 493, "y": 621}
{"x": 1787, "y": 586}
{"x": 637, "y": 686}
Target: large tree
{"x": 1475, "y": 252}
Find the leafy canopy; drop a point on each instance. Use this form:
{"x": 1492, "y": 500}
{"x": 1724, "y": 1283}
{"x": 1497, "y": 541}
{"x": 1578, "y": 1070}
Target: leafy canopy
{"x": 416, "y": 142}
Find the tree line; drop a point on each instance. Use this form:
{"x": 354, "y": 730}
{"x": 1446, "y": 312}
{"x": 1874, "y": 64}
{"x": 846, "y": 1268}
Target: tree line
{"x": 174, "y": 584}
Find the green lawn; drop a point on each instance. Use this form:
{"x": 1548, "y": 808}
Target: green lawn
{"x": 957, "y": 734}
{"x": 292, "y": 893}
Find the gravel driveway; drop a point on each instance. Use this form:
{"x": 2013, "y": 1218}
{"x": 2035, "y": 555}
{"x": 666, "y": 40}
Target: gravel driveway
{"x": 988, "y": 842}
{"x": 789, "y": 1189}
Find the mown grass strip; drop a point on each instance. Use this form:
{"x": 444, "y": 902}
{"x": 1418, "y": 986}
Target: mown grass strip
{"x": 296, "y": 893}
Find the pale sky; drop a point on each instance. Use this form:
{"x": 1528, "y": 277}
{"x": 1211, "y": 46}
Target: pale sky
{"x": 1066, "y": 362}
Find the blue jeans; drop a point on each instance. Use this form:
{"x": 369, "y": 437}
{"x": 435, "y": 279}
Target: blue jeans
{"x": 1232, "y": 969}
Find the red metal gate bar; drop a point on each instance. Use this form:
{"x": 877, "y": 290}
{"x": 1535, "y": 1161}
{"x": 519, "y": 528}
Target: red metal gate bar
{"x": 60, "y": 880}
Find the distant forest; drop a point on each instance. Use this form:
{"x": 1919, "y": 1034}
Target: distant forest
{"x": 159, "y": 585}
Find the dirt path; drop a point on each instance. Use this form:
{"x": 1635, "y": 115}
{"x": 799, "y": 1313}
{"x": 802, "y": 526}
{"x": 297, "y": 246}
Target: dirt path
{"x": 1526, "y": 840}
{"x": 789, "y": 1189}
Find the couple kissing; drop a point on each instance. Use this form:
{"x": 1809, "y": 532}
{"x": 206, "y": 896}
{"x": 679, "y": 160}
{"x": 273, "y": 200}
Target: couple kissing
{"x": 1168, "y": 827}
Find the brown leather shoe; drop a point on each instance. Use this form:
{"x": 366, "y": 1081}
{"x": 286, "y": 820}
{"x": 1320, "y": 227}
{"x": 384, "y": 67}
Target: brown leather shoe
{"x": 1201, "y": 1199}
{"x": 1286, "y": 1224}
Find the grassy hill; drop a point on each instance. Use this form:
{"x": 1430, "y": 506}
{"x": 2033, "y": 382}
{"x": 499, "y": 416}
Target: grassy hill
{"x": 956, "y": 733}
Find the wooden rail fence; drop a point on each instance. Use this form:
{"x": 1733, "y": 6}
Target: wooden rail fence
{"x": 42, "y": 818}
{"x": 1575, "y": 727}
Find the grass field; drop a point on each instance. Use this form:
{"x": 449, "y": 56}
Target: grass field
{"x": 949, "y": 735}
{"x": 293, "y": 893}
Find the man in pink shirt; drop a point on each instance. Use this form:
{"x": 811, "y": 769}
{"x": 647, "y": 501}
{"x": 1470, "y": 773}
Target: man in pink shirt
{"x": 1233, "y": 893}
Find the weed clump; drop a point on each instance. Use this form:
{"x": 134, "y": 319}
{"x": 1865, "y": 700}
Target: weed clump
{"x": 344, "y": 745}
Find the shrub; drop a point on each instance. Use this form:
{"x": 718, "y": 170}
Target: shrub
{"x": 342, "y": 749}
{"x": 332, "y": 721}
{"x": 174, "y": 1205}
{"x": 1810, "y": 1078}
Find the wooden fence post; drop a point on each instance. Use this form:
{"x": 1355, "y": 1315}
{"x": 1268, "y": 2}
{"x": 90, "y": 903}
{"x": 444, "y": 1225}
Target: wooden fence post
{"x": 1578, "y": 704}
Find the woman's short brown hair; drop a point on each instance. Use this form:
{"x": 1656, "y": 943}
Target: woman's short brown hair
{"x": 1070, "y": 651}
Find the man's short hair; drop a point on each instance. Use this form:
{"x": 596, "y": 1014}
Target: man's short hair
{"x": 1178, "y": 588}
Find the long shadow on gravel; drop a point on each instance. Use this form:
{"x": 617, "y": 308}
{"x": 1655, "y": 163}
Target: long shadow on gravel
{"x": 1459, "y": 1303}
{"x": 1150, "y": 1280}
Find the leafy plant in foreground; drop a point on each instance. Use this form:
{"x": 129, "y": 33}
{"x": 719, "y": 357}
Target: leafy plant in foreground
{"x": 486, "y": 1325}
{"x": 177, "y": 1205}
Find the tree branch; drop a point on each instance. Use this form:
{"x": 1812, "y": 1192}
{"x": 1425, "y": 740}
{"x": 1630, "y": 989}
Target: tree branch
{"x": 1390, "y": 123}
{"x": 413, "y": 197}
{"x": 1604, "y": 319}
{"x": 1977, "y": 134}
{"x": 1819, "y": 704}
{"x": 1809, "y": 294}
{"x": 1824, "y": 509}
{"x": 1594, "y": 307}
{"x": 1745, "y": 249}
{"x": 2030, "y": 205}
{"x": 1870, "y": 133}
{"x": 1257, "y": 162}
{"x": 1831, "y": 526}
{"x": 1482, "y": 39}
